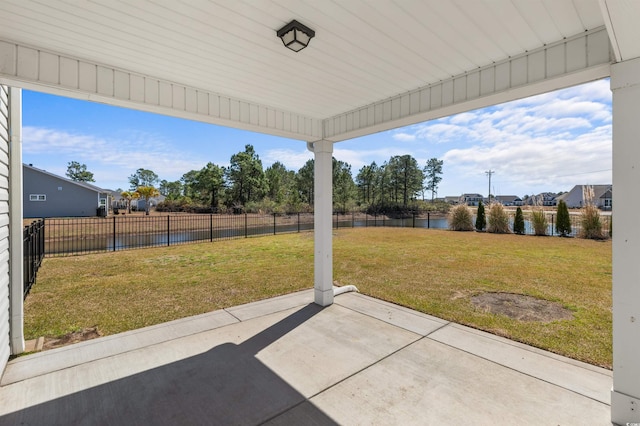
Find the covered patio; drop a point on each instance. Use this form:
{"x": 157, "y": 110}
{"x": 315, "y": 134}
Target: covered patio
{"x": 288, "y": 361}
{"x": 369, "y": 67}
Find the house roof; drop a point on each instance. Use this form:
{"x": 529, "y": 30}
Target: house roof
{"x": 607, "y": 194}
{"x": 80, "y": 184}
{"x": 598, "y": 190}
{"x": 371, "y": 66}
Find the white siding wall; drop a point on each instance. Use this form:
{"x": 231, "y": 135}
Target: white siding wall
{"x": 4, "y": 226}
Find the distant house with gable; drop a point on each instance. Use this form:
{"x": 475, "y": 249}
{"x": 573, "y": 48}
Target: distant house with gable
{"x": 602, "y": 196}
{"x": 140, "y": 204}
{"x": 451, "y": 199}
{"x": 508, "y": 200}
{"x": 546, "y": 199}
{"x": 48, "y": 195}
{"x": 606, "y": 199}
{"x": 471, "y": 199}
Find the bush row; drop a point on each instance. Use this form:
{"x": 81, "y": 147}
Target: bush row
{"x": 497, "y": 221}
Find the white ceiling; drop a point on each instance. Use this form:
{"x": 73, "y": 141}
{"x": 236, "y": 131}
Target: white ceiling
{"x": 365, "y": 51}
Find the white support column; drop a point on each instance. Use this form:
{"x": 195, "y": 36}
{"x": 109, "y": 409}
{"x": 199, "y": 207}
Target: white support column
{"x": 16, "y": 237}
{"x": 323, "y": 231}
{"x": 625, "y": 395}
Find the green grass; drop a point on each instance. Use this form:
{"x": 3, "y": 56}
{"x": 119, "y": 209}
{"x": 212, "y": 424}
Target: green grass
{"x": 432, "y": 271}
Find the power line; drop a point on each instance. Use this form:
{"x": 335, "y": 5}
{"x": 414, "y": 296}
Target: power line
{"x": 584, "y": 173}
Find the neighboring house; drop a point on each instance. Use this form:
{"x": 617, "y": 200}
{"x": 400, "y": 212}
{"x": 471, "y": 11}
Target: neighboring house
{"x": 48, "y": 195}
{"x": 451, "y": 199}
{"x": 509, "y": 200}
{"x": 606, "y": 199}
{"x": 575, "y": 197}
{"x": 140, "y": 204}
{"x": 471, "y": 199}
{"x": 547, "y": 199}
{"x": 117, "y": 202}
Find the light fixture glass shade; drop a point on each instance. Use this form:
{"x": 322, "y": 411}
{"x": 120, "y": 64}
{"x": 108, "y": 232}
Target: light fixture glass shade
{"x": 295, "y": 36}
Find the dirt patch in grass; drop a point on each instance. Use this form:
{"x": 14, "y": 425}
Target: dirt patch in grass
{"x": 521, "y": 307}
{"x": 74, "y": 337}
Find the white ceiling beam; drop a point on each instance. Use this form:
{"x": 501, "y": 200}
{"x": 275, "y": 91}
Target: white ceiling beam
{"x": 621, "y": 20}
{"x": 51, "y": 72}
{"x": 572, "y": 61}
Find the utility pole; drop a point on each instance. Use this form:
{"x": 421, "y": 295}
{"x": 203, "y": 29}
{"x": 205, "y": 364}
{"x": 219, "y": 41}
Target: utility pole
{"x": 489, "y": 173}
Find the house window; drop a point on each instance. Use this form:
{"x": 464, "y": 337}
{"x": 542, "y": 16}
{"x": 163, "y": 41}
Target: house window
{"x": 37, "y": 197}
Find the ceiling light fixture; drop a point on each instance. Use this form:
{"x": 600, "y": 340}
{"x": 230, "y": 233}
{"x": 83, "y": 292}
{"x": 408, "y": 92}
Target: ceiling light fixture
{"x": 295, "y": 36}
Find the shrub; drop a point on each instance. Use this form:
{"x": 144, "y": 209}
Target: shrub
{"x": 591, "y": 224}
{"x": 539, "y": 222}
{"x": 563, "y": 221}
{"x": 518, "y": 222}
{"x": 460, "y": 218}
{"x": 498, "y": 219}
{"x": 481, "y": 220}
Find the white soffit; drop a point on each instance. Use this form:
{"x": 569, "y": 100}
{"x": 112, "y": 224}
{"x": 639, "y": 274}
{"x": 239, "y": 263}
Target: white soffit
{"x": 220, "y": 60}
{"x": 621, "y": 18}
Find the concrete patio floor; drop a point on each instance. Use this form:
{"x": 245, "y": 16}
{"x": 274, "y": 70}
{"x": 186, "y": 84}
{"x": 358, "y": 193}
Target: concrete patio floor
{"x": 285, "y": 361}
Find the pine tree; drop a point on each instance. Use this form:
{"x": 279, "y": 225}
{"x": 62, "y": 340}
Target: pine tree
{"x": 481, "y": 219}
{"x": 518, "y": 222}
{"x": 563, "y": 221}
{"x": 78, "y": 172}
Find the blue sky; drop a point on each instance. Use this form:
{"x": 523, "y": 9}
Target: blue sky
{"x": 548, "y": 142}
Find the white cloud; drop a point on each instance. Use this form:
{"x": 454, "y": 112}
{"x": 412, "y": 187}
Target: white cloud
{"x": 404, "y": 137}
{"x": 554, "y": 163}
{"x": 463, "y": 118}
{"x": 112, "y": 160}
{"x": 546, "y": 142}
{"x": 292, "y": 159}
{"x": 360, "y": 158}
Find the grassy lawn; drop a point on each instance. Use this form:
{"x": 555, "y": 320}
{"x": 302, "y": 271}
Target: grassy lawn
{"x": 432, "y": 271}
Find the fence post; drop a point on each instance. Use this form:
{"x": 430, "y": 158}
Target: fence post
{"x": 168, "y": 230}
{"x": 353, "y": 219}
{"x": 414, "y": 219}
{"x": 274, "y": 223}
{"x": 298, "y": 222}
{"x": 210, "y": 227}
{"x": 428, "y": 220}
{"x": 41, "y": 241}
{"x": 245, "y": 226}
{"x": 552, "y": 227}
{"x": 44, "y": 230}
{"x": 114, "y": 233}
{"x": 337, "y": 219}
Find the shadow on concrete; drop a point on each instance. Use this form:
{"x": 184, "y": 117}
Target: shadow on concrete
{"x": 225, "y": 385}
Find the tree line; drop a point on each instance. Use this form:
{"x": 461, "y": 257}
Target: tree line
{"x": 399, "y": 184}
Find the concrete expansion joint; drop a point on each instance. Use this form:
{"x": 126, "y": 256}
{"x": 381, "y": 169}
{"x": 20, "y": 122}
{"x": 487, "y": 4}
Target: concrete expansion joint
{"x": 366, "y": 367}
{"x": 230, "y": 313}
{"x": 517, "y": 371}
{"x": 438, "y": 329}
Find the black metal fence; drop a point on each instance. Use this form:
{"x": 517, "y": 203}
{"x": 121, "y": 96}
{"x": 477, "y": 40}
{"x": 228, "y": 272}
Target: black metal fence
{"x": 574, "y": 219}
{"x": 33, "y": 241}
{"x": 71, "y": 236}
